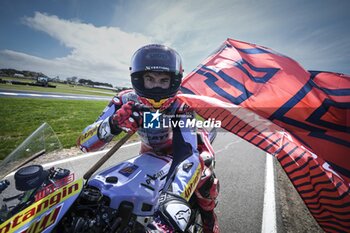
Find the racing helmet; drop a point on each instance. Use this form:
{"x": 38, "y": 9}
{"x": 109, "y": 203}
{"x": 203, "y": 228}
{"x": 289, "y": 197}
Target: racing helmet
{"x": 156, "y": 58}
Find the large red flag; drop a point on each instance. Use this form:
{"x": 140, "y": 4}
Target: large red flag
{"x": 253, "y": 86}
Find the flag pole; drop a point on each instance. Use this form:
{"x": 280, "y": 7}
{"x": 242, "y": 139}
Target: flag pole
{"x": 109, "y": 154}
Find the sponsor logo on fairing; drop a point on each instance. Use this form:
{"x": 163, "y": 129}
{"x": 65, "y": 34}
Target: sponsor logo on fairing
{"x": 192, "y": 184}
{"x": 53, "y": 187}
{"x": 127, "y": 171}
{"x": 42, "y": 214}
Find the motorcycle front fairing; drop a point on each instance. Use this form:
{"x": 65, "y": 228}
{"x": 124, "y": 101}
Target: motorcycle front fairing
{"x": 137, "y": 181}
{"x": 43, "y": 214}
{"x": 34, "y": 197}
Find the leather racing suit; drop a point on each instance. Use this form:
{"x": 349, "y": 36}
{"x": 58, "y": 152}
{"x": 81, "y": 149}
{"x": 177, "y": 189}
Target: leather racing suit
{"x": 194, "y": 173}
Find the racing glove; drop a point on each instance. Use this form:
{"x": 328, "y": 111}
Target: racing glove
{"x": 127, "y": 118}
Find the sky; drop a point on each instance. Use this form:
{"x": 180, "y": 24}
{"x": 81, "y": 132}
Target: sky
{"x": 96, "y": 39}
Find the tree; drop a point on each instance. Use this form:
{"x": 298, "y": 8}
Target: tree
{"x": 72, "y": 80}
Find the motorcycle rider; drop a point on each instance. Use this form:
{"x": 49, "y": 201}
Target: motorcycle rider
{"x": 156, "y": 74}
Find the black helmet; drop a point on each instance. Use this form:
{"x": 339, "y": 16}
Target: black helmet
{"x": 156, "y": 58}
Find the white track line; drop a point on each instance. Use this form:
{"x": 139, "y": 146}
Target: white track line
{"x": 269, "y": 212}
{"x": 53, "y": 96}
{"x": 86, "y": 155}
{"x": 46, "y": 165}
{"x": 7, "y": 93}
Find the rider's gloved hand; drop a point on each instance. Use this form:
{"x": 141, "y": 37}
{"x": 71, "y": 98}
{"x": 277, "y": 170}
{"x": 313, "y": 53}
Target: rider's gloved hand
{"x": 127, "y": 118}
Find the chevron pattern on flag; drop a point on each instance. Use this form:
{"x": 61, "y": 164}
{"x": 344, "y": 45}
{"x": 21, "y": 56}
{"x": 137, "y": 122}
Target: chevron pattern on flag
{"x": 301, "y": 117}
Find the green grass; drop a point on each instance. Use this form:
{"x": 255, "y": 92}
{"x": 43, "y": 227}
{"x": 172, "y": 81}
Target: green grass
{"x": 19, "y": 117}
{"x": 60, "y": 88}
{"x": 26, "y": 80}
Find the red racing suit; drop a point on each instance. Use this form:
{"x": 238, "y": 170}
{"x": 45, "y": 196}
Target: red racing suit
{"x": 194, "y": 174}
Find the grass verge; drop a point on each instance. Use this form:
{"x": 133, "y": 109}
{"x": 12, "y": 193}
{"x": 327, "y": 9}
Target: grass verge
{"x": 60, "y": 88}
{"x": 19, "y": 117}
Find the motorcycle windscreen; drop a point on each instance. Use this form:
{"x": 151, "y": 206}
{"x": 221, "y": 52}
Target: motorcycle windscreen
{"x": 38, "y": 184}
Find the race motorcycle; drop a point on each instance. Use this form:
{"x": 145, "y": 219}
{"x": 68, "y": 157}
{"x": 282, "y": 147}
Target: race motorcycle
{"x": 121, "y": 198}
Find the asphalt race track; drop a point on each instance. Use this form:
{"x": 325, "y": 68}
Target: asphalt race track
{"x": 33, "y": 94}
